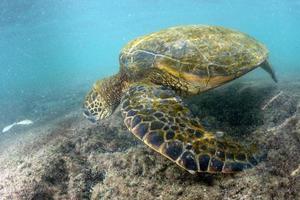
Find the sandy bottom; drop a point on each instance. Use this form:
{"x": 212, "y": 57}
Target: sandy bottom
{"x": 68, "y": 158}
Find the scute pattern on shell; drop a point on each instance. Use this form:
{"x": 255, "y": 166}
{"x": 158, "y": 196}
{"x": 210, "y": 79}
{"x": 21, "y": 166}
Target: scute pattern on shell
{"x": 196, "y": 49}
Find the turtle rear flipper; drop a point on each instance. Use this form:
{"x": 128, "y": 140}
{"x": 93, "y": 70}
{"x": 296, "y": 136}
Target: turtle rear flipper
{"x": 268, "y": 68}
{"x": 160, "y": 119}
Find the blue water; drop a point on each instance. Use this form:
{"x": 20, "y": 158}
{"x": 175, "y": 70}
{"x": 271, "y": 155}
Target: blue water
{"x": 50, "y": 47}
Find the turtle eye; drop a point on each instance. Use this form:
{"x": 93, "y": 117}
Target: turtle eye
{"x": 94, "y": 96}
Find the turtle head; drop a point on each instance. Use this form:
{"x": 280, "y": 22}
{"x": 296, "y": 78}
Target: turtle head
{"x": 104, "y": 98}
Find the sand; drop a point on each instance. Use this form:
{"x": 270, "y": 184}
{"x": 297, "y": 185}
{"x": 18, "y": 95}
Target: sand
{"x": 69, "y": 158}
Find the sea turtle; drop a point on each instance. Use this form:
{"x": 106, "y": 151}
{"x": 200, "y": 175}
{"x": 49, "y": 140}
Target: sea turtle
{"x": 157, "y": 71}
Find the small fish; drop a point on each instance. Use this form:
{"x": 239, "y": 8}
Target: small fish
{"x": 23, "y": 122}
{"x": 7, "y": 128}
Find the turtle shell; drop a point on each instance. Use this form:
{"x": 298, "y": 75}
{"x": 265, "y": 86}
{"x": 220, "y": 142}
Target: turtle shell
{"x": 197, "y": 50}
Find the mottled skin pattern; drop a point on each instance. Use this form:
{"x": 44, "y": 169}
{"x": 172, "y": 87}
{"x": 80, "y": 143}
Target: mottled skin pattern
{"x": 158, "y": 69}
{"x": 101, "y": 103}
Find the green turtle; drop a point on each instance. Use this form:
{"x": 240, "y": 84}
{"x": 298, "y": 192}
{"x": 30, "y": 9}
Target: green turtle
{"x": 159, "y": 70}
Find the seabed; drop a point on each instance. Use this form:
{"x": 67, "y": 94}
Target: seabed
{"x": 67, "y": 157}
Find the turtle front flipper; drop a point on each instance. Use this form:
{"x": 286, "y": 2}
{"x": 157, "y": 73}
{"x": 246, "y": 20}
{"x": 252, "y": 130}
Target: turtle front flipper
{"x": 160, "y": 119}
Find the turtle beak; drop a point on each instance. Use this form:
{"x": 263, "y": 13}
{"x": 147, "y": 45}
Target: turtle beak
{"x": 89, "y": 116}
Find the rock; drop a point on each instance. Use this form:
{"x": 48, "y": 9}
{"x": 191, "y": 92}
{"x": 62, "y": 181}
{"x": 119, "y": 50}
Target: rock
{"x": 105, "y": 161}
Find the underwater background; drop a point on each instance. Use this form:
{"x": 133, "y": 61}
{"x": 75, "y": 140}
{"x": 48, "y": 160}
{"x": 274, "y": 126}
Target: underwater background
{"x": 52, "y": 51}
{"x": 48, "y": 48}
